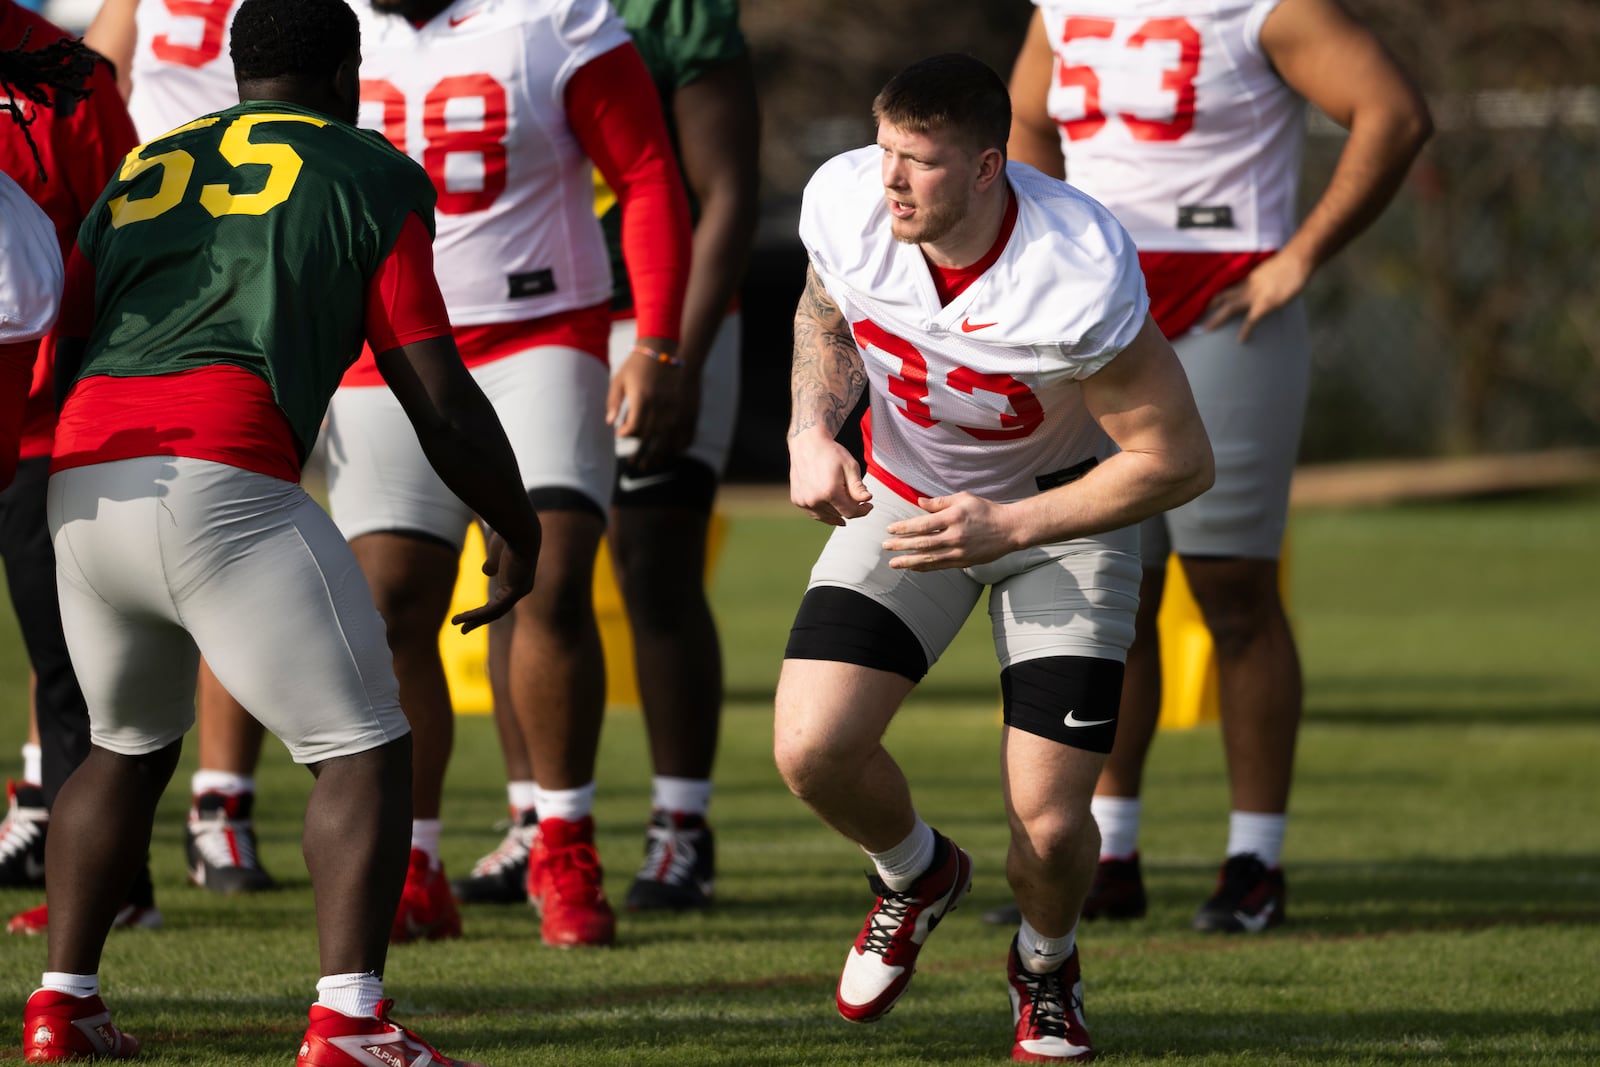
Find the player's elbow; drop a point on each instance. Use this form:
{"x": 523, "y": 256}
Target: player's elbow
{"x": 1194, "y": 471}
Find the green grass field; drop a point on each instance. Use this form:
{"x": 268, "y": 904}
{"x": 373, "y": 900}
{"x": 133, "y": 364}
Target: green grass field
{"x": 1443, "y": 858}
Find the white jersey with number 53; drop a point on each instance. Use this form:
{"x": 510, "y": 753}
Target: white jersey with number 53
{"x": 1173, "y": 117}
{"x": 181, "y": 68}
{"x": 477, "y": 96}
{"x": 980, "y": 394}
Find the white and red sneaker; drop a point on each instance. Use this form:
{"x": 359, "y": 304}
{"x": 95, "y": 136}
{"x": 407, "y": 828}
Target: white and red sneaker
{"x": 129, "y": 917}
{"x": 336, "y": 1040}
{"x": 59, "y": 1026}
{"x": 565, "y": 885}
{"x": 1048, "y": 1012}
{"x": 219, "y": 844}
{"x": 881, "y": 962}
{"x": 427, "y": 911}
{"x": 22, "y": 836}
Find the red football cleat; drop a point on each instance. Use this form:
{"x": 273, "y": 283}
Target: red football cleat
{"x": 564, "y": 884}
{"x": 128, "y": 917}
{"x": 880, "y": 964}
{"x": 58, "y": 1026}
{"x": 1048, "y": 1012}
{"x": 337, "y": 1040}
{"x": 427, "y": 910}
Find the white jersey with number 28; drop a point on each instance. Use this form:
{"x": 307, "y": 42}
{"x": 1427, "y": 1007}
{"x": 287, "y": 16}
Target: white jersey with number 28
{"x": 980, "y": 394}
{"x": 1173, "y": 117}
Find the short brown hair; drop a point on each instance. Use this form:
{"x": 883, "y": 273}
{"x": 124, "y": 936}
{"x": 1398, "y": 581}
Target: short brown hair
{"x": 949, "y": 92}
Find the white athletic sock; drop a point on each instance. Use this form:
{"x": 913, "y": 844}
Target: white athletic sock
{"x": 689, "y": 796}
{"x": 357, "y": 995}
{"x": 225, "y": 782}
{"x": 1118, "y": 819}
{"x": 73, "y": 985}
{"x": 568, "y": 804}
{"x": 522, "y": 794}
{"x": 905, "y": 862}
{"x": 1258, "y": 832}
{"x": 1041, "y": 954}
{"x": 32, "y": 764}
{"x": 425, "y": 835}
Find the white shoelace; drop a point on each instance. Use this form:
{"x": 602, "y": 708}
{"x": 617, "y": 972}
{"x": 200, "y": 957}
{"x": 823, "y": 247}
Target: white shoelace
{"x": 218, "y": 839}
{"x": 670, "y": 856}
{"x": 511, "y": 851}
{"x": 20, "y": 832}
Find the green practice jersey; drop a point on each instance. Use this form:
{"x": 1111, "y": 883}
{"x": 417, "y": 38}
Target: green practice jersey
{"x": 248, "y": 238}
{"x": 680, "y": 41}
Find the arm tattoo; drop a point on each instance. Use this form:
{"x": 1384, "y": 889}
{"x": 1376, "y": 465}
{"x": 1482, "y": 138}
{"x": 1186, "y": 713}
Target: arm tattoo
{"x": 828, "y": 376}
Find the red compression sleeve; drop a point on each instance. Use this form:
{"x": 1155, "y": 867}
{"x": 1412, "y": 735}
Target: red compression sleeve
{"x": 403, "y": 299}
{"x": 615, "y": 113}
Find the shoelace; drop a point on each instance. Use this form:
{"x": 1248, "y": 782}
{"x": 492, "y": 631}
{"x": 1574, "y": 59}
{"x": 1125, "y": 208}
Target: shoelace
{"x": 511, "y": 852}
{"x": 669, "y": 855}
{"x": 1047, "y": 1002}
{"x": 887, "y": 918}
{"x": 574, "y": 873}
{"x": 222, "y": 843}
{"x": 18, "y": 834}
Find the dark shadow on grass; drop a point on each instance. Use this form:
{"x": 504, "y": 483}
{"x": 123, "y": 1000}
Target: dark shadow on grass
{"x": 1466, "y": 708}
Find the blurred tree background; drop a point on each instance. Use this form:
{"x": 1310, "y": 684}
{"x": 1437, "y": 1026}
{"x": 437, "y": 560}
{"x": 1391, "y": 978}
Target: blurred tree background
{"x": 1466, "y": 320}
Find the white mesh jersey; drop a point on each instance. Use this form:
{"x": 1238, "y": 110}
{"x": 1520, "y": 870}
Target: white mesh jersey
{"x": 477, "y": 96}
{"x": 30, "y": 266}
{"x": 180, "y": 66}
{"x": 980, "y": 394}
{"x": 1173, "y": 117}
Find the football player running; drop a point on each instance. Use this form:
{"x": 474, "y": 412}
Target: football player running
{"x": 1024, "y": 411}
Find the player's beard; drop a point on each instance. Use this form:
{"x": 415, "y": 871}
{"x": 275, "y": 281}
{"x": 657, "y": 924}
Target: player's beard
{"x": 930, "y": 223}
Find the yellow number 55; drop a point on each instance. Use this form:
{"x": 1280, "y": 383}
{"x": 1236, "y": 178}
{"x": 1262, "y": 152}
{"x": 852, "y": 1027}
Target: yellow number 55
{"x": 283, "y": 165}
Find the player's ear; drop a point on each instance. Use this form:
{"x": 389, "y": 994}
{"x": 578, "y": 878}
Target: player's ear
{"x": 991, "y": 166}
{"x": 347, "y": 85}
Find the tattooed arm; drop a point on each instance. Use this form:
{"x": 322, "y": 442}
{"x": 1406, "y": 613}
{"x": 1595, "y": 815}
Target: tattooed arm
{"x": 825, "y": 383}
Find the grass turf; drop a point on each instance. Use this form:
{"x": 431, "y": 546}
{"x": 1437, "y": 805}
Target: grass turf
{"x": 1443, "y": 861}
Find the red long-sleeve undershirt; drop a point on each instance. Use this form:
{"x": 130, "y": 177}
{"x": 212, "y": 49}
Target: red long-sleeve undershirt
{"x": 615, "y": 113}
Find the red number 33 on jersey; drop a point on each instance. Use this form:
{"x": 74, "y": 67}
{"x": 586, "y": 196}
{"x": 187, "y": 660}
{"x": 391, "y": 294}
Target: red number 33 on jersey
{"x": 910, "y": 388}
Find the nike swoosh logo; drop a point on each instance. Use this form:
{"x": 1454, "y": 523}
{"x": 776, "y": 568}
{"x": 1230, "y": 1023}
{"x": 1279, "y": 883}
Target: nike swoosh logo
{"x": 454, "y": 21}
{"x": 629, "y": 484}
{"x": 967, "y": 325}
{"x": 1256, "y": 923}
{"x": 33, "y": 868}
{"x": 1073, "y": 720}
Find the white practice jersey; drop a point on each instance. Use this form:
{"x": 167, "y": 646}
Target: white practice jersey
{"x": 30, "y": 266}
{"x": 980, "y": 394}
{"x": 1173, "y": 117}
{"x": 181, "y": 68}
{"x": 477, "y": 96}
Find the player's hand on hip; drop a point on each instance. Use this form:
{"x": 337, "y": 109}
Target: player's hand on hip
{"x": 513, "y": 572}
{"x": 1274, "y": 282}
{"x": 962, "y": 530}
{"x": 825, "y": 480}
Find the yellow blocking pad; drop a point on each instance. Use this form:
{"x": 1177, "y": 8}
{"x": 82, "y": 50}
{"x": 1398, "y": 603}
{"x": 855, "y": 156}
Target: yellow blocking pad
{"x": 1188, "y": 666}
{"x": 466, "y": 658}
